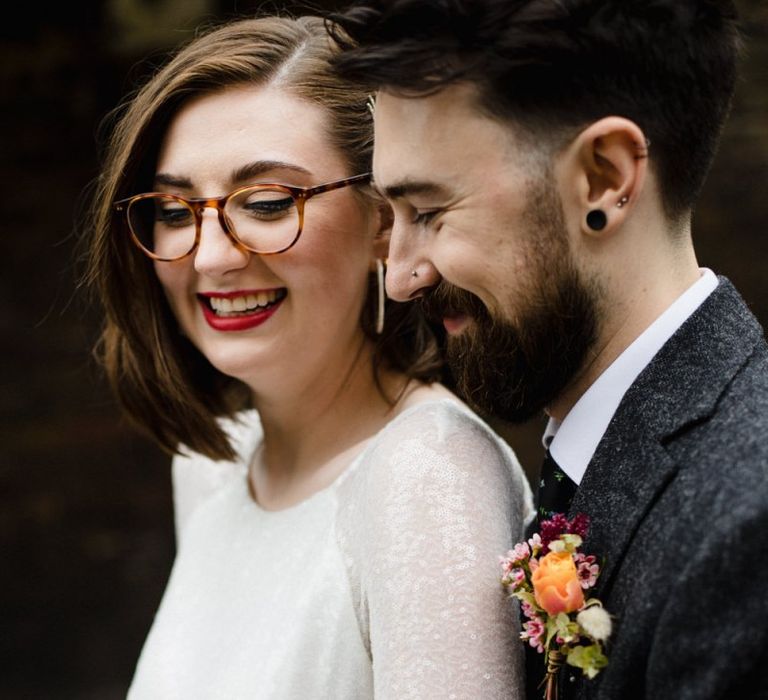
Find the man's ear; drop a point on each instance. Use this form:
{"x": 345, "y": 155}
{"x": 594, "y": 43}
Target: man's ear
{"x": 606, "y": 166}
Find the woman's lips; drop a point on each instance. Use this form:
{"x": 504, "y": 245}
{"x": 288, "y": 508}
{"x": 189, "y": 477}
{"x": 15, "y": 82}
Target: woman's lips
{"x": 240, "y": 310}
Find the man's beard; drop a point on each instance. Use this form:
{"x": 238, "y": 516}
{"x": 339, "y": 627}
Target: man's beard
{"x": 513, "y": 370}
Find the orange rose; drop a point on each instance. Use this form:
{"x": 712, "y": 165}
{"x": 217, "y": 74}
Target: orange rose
{"x": 556, "y": 586}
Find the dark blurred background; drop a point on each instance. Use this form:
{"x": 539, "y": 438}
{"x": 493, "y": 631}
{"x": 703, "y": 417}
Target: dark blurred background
{"x": 86, "y": 533}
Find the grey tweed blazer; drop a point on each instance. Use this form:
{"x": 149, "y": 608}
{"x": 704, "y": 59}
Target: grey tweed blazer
{"x": 677, "y": 492}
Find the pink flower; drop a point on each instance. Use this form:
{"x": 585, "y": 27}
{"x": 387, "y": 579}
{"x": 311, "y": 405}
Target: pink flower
{"x": 514, "y": 557}
{"x": 587, "y": 569}
{"x": 535, "y": 542}
{"x": 534, "y": 631}
{"x": 528, "y": 610}
{"x": 520, "y": 552}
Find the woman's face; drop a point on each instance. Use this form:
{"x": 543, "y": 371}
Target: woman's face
{"x": 302, "y": 307}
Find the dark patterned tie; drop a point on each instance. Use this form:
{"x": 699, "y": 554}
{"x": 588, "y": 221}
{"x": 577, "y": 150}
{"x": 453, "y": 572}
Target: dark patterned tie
{"x": 556, "y": 490}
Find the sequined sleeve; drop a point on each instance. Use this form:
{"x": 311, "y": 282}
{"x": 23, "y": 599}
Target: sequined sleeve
{"x": 424, "y": 523}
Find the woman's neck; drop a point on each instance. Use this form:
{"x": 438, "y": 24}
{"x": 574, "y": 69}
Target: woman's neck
{"x": 311, "y": 435}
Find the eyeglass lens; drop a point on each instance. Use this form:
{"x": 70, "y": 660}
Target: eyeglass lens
{"x": 262, "y": 219}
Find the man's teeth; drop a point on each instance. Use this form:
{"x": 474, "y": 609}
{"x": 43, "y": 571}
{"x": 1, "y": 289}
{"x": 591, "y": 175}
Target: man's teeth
{"x": 249, "y": 302}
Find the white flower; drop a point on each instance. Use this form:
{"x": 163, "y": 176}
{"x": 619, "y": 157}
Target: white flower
{"x": 595, "y": 622}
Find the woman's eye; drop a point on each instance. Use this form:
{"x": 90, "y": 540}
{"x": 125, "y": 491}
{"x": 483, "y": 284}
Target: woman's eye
{"x": 268, "y": 208}
{"x": 174, "y": 216}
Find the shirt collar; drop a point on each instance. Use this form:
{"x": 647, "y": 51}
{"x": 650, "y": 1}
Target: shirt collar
{"x": 573, "y": 441}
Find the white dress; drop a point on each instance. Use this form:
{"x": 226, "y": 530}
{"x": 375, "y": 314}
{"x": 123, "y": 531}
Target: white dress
{"x": 383, "y": 585}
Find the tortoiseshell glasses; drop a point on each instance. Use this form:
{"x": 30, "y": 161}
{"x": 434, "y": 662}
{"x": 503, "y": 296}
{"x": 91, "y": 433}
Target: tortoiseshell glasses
{"x": 262, "y": 219}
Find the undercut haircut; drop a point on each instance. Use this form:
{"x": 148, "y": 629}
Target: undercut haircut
{"x": 551, "y": 67}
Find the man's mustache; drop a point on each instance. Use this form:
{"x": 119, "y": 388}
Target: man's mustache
{"x": 446, "y": 300}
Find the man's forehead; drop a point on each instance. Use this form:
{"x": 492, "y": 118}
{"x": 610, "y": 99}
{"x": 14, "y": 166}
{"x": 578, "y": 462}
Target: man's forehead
{"x": 425, "y": 139}
{"x": 455, "y": 102}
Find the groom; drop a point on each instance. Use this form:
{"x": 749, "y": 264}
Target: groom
{"x": 542, "y": 159}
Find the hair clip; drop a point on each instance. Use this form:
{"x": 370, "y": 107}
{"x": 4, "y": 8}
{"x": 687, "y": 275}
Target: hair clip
{"x": 371, "y": 104}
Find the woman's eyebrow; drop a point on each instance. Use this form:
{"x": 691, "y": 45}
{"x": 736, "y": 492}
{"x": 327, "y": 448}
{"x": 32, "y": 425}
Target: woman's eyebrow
{"x": 173, "y": 180}
{"x": 242, "y": 174}
{"x": 259, "y": 167}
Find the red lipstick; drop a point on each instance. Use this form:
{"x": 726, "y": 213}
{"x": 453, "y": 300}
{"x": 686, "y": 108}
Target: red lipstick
{"x": 241, "y": 320}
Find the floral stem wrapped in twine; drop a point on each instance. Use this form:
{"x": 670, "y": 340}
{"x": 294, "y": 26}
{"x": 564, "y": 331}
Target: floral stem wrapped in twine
{"x": 554, "y": 662}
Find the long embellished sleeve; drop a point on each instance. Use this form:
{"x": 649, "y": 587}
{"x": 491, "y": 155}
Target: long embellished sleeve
{"x": 441, "y": 498}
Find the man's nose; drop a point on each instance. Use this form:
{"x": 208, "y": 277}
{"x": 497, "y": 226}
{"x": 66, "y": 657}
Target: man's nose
{"x": 410, "y": 271}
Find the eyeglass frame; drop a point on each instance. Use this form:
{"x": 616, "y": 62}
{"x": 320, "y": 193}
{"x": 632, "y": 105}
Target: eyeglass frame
{"x": 197, "y": 205}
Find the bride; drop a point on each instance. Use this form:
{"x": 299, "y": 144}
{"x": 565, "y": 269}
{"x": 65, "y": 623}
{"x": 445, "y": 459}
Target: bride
{"x": 339, "y": 513}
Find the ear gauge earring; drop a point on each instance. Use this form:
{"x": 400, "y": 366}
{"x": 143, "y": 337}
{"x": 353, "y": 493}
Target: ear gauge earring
{"x": 597, "y": 220}
{"x": 380, "y": 296}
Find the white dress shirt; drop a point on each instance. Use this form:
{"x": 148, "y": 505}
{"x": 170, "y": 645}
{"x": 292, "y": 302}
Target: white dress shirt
{"x": 573, "y": 441}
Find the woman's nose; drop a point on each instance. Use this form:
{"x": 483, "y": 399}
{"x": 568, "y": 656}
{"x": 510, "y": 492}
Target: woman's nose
{"x": 217, "y": 252}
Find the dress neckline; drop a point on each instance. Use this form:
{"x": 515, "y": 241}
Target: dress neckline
{"x": 352, "y": 467}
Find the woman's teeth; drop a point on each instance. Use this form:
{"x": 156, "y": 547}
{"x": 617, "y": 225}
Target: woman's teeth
{"x": 247, "y": 303}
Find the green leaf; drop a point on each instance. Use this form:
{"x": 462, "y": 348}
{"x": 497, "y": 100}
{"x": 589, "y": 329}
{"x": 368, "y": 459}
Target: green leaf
{"x": 566, "y": 628}
{"x": 528, "y": 597}
{"x": 590, "y": 659}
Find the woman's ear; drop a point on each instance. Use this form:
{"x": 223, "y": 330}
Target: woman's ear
{"x": 384, "y": 229}
{"x": 607, "y": 164}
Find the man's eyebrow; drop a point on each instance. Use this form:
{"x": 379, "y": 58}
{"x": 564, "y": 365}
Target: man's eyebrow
{"x": 407, "y": 188}
{"x": 242, "y": 174}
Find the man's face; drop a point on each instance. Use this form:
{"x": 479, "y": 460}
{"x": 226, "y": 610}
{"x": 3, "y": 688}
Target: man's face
{"x": 478, "y": 218}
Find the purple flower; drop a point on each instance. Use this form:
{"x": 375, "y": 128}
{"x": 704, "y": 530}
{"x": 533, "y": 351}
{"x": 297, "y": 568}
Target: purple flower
{"x": 579, "y": 525}
{"x": 552, "y": 529}
{"x": 558, "y": 525}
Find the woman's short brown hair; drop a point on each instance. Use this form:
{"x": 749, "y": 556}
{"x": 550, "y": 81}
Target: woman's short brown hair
{"x": 163, "y": 382}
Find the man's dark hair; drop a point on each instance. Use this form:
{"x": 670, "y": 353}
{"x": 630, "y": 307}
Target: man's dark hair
{"x": 553, "y": 66}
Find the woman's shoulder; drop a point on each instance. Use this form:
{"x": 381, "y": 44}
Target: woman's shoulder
{"x": 435, "y": 437}
{"x": 196, "y": 478}
{"x": 435, "y": 467}
{"x": 433, "y": 416}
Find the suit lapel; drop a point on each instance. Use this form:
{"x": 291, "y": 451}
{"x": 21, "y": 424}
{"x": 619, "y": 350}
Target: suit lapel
{"x": 681, "y": 386}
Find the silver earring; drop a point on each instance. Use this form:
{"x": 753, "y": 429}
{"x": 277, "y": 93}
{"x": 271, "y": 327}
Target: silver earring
{"x": 622, "y": 201}
{"x": 414, "y": 273}
{"x": 380, "y": 301}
